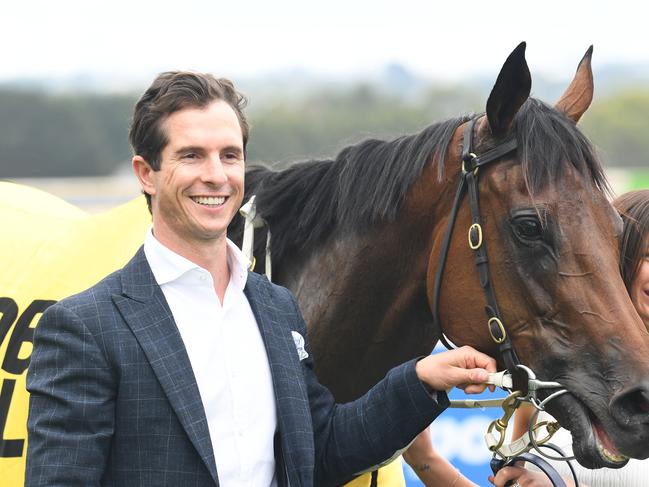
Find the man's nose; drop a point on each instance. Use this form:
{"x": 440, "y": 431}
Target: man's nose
{"x": 213, "y": 171}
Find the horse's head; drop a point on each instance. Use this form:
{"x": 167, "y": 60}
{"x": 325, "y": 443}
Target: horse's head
{"x": 552, "y": 241}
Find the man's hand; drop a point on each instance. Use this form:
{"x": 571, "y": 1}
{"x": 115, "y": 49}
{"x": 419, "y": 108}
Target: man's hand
{"x": 463, "y": 367}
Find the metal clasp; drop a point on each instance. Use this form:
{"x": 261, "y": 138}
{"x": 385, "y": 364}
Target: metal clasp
{"x": 501, "y": 328}
{"x": 470, "y": 157}
{"x": 475, "y": 233}
{"x": 510, "y": 404}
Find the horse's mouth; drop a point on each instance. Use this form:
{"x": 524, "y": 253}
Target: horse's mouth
{"x": 592, "y": 445}
{"x": 604, "y": 444}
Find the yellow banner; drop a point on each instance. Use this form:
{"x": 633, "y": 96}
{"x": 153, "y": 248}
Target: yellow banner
{"x": 49, "y": 249}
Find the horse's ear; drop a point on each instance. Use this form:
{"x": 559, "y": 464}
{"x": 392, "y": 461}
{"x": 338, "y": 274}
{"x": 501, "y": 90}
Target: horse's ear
{"x": 577, "y": 98}
{"x": 509, "y": 93}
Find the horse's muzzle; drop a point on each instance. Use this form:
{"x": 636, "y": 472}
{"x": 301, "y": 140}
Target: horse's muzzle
{"x": 630, "y": 409}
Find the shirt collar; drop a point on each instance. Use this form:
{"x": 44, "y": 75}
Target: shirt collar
{"x": 168, "y": 266}
{"x": 238, "y": 264}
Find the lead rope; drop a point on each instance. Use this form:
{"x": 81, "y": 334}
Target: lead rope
{"x": 253, "y": 220}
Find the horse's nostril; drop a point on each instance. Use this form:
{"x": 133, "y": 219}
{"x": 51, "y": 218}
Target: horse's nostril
{"x": 643, "y": 401}
{"x": 632, "y": 407}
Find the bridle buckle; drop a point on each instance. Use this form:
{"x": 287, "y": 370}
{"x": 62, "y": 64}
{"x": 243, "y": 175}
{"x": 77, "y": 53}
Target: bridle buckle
{"x": 497, "y": 330}
{"x": 475, "y": 236}
{"x": 469, "y": 163}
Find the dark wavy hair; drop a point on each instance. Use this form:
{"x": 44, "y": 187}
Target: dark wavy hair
{"x": 173, "y": 91}
{"x": 634, "y": 209}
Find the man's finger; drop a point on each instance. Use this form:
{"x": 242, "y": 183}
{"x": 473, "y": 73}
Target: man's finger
{"x": 475, "y": 388}
{"x": 478, "y": 376}
{"x": 469, "y": 357}
{"x": 463, "y": 378}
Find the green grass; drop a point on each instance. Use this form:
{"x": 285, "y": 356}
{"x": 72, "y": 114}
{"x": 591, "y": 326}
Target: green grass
{"x": 639, "y": 179}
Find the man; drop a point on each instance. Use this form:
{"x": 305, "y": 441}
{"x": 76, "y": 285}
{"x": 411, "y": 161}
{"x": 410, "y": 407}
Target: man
{"x": 183, "y": 369}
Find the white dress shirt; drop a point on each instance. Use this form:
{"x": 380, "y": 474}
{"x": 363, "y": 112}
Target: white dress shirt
{"x": 228, "y": 359}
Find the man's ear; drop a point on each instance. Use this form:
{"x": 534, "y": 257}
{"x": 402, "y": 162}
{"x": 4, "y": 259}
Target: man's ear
{"x": 144, "y": 173}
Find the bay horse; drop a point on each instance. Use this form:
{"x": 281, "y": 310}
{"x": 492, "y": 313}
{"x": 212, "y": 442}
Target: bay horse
{"x": 358, "y": 240}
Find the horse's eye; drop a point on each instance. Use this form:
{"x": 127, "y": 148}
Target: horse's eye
{"x": 528, "y": 228}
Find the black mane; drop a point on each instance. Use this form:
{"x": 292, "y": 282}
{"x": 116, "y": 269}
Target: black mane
{"x": 366, "y": 183}
{"x": 547, "y": 139}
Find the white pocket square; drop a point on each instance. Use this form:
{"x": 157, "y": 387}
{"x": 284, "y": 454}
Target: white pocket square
{"x": 299, "y": 345}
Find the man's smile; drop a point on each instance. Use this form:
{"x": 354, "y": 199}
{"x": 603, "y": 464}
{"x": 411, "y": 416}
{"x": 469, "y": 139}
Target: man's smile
{"x": 209, "y": 200}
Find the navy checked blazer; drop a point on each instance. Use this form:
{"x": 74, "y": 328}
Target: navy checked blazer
{"x": 114, "y": 401}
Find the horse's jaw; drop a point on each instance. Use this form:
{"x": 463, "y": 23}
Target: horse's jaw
{"x": 592, "y": 446}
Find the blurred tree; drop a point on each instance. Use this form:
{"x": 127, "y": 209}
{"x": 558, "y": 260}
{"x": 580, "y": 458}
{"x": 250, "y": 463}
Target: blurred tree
{"x": 320, "y": 124}
{"x": 74, "y": 135}
{"x": 43, "y": 135}
{"x": 619, "y": 125}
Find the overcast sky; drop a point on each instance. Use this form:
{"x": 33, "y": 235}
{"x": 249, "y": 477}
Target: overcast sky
{"x": 443, "y": 39}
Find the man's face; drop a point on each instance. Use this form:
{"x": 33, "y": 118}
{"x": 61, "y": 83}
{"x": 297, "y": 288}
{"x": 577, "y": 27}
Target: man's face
{"x": 200, "y": 184}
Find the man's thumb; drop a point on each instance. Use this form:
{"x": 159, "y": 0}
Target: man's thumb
{"x": 460, "y": 377}
{"x": 477, "y": 376}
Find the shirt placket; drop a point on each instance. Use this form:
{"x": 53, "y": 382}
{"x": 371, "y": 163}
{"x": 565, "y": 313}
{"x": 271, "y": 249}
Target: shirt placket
{"x": 233, "y": 350}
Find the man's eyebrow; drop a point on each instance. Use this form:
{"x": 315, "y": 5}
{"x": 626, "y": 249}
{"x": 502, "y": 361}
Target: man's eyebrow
{"x": 233, "y": 148}
{"x": 188, "y": 148}
{"x": 201, "y": 150}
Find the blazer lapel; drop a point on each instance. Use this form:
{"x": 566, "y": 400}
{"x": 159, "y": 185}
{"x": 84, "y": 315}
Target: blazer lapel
{"x": 276, "y": 334}
{"x": 293, "y": 413}
{"x": 145, "y": 310}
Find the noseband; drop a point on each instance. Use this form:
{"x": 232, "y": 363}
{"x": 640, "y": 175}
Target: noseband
{"x": 471, "y": 163}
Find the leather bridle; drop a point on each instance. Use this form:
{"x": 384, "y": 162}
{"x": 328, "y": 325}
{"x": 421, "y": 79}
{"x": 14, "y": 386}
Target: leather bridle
{"x": 471, "y": 163}
{"x": 524, "y": 381}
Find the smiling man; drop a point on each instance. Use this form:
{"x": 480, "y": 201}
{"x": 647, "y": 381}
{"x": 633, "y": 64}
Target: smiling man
{"x": 183, "y": 368}
{"x": 198, "y": 189}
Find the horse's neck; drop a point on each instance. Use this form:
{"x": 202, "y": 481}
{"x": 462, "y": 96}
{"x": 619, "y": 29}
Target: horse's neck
{"x": 364, "y": 300}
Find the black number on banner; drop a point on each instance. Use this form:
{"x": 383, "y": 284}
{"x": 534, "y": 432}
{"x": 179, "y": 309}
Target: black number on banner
{"x": 9, "y": 310}
{"x": 8, "y": 448}
{"x": 21, "y": 334}
{"x": 12, "y": 364}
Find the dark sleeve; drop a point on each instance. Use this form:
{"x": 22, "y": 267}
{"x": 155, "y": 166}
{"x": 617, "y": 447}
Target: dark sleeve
{"x": 71, "y": 406}
{"x": 350, "y": 438}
